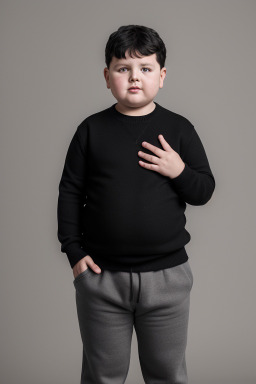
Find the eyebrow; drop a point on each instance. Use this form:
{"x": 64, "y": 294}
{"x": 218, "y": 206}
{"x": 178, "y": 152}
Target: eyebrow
{"x": 144, "y": 64}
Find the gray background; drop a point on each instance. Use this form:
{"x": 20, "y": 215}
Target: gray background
{"x": 52, "y": 60}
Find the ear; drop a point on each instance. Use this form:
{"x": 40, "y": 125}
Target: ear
{"x": 106, "y": 75}
{"x": 162, "y": 77}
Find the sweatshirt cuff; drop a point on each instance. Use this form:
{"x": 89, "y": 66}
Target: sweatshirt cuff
{"x": 75, "y": 255}
{"x": 181, "y": 182}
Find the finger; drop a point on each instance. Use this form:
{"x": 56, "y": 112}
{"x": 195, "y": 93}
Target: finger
{"x": 157, "y": 151}
{"x": 93, "y": 265}
{"x": 151, "y": 158}
{"x": 96, "y": 268}
{"x": 152, "y": 167}
{"x": 164, "y": 143}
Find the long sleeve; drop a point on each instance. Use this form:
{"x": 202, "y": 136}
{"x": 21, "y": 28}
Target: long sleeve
{"x": 196, "y": 183}
{"x": 71, "y": 200}
{"x": 120, "y": 214}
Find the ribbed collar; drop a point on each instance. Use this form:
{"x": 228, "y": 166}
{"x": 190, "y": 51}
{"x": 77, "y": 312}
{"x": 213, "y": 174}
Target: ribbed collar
{"x": 134, "y": 119}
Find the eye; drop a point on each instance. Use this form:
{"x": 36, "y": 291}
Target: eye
{"x": 121, "y": 69}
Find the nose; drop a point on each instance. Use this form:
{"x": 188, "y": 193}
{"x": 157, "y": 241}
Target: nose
{"x": 134, "y": 76}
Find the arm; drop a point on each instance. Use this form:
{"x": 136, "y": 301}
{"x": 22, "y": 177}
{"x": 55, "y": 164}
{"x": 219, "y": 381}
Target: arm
{"x": 196, "y": 183}
{"x": 71, "y": 200}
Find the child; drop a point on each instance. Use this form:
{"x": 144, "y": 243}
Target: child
{"x": 129, "y": 171}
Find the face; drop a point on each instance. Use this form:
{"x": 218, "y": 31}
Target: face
{"x": 143, "y": 72}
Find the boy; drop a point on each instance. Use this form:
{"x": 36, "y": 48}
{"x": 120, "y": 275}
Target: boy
{"x": 128, "y": 174}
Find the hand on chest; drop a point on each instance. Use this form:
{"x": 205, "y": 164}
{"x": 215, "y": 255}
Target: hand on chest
{"x": 118, "y": 150}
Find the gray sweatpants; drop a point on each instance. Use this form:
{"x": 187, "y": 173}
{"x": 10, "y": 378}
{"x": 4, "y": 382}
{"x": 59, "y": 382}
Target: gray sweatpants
{"x": 156, "y": 303}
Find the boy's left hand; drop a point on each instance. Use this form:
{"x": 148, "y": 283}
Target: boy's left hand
{"x": 167, "y": 161}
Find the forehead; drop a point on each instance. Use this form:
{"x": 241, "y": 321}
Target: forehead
{"x": 142, "y": 60}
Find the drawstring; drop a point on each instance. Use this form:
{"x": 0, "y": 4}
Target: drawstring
{"x": 139, "y": 287}
{"x": 131, "y": 285}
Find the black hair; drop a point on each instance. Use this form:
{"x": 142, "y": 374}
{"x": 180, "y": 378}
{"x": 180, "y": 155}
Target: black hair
{"x": 137, "y": 39}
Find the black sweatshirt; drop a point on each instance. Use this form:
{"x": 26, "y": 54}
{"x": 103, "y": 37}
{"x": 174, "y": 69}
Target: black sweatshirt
{"x": 123, "y": 215}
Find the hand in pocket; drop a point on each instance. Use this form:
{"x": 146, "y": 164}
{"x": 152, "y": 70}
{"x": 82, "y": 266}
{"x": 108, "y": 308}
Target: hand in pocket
{"x": 83, "y": 264}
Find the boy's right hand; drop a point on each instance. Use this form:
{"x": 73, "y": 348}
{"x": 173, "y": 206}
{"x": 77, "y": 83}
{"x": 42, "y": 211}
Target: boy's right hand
{"x": 83, "y": 264}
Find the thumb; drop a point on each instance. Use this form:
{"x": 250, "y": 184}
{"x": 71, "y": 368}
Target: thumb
{"x": 92, "y": 265}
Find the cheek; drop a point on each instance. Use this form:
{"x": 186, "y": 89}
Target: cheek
{"x": 118, "y": 82}
{"x": 152, "y": 87}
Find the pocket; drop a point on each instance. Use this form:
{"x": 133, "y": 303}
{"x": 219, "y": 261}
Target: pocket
{"x": 81, "y": 275}
{"x": 188, "y": 271}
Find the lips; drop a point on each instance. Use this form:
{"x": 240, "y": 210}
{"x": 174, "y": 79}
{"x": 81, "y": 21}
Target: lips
{"x": 134, "y": 88}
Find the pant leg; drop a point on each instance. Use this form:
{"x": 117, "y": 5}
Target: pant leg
{"x": 106, "y": 325}
{"x": 161, "y": 324}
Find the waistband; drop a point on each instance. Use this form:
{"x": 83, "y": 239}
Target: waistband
{"x": 131, "y": 286}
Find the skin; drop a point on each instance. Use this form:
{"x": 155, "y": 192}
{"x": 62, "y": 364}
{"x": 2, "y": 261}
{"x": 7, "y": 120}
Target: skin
{"x": 124, "y": 73}
{"x": 121, "y": 75}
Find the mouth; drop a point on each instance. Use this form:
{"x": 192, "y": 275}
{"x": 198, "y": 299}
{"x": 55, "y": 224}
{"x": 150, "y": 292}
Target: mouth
{"x": 132, "y": 89}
